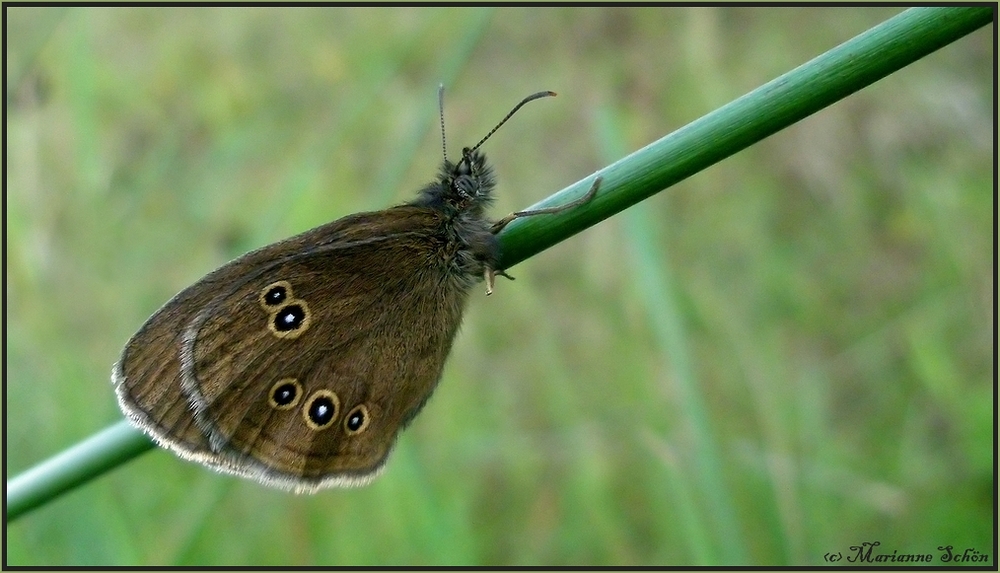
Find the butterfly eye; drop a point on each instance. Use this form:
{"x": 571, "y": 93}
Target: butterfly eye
{"x": 285, "y": 394}
{"x": 274, "y": 294}
{"x": 321, "y": 409}
{"x": 356, "y": 420}
{"x": 290, "y": 320}
{"x": 466, "y": 186}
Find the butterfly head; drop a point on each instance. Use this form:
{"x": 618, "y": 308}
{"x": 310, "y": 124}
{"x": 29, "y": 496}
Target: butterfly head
{"x": 465, "y": 187}
{"x": 471, "y": 181}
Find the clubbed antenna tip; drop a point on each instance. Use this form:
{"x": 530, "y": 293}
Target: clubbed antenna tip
{"x": 532, "y": 97}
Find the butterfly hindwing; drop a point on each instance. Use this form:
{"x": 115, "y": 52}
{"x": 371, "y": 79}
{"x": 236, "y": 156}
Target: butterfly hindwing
{"x": 329, "y": 323}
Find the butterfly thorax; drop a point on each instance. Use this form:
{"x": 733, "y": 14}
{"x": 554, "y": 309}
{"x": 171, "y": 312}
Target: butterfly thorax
{"x": 462, "y": 193}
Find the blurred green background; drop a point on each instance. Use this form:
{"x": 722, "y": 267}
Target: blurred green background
{"x": 783, "y": 356}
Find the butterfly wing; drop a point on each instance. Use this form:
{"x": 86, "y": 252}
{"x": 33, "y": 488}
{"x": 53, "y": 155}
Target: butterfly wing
{"x": 298, "y": 364}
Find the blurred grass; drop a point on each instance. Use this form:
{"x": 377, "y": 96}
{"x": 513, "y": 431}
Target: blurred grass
{"x": 832, "y": 285}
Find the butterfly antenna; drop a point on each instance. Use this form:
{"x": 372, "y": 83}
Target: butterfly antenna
{"x": 444, "y": 145}
{"x": 532, "y": 97}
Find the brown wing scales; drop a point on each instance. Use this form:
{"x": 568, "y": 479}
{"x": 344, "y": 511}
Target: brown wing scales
{"x": 211, "y": 378}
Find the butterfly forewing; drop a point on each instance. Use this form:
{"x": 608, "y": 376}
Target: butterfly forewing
{"x": 329, "y": 326}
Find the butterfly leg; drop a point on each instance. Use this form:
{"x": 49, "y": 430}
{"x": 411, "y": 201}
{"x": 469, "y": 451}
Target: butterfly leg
{"x": 499, "y": 225}
{"x": 491, "y": 275}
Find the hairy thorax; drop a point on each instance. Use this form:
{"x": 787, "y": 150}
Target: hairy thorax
{"x": 471, "y": 249}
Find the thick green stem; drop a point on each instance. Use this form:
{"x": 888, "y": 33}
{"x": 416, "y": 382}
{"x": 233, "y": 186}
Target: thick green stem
{"x": 828, "y": 78}
{"x": 90, "y": 458}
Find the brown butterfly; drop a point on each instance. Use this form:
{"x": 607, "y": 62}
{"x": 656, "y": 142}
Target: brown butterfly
{"x": 298, "y": 364}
